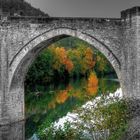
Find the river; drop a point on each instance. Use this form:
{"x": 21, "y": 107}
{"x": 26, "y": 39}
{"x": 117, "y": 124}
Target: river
{"x": 52, "y": 102}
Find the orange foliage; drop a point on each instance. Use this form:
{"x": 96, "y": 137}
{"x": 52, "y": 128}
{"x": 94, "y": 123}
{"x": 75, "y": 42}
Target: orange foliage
{"x": 62, "y": 59}
{"x": 61, "y": 54}
{"x": 62, "y": 96}
{"x": 89, "y": 58}
{"x": 69, "y": 65}
{"x": 92, "y": 90}
{"x": 92, "y": 86}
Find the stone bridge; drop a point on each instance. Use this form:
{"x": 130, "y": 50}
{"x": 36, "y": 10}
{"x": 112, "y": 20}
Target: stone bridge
{"x": 22, "y": 38}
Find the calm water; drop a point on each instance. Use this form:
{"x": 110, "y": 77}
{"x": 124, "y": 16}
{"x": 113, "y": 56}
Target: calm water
{"x": 53, "y": 102}
{"x": 50, "y": 103}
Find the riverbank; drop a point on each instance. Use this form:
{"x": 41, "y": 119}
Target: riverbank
{"x": 72, "y": 121}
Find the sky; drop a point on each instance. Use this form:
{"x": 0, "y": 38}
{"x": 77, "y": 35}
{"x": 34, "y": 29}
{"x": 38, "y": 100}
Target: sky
{"x": 84, "y": 8}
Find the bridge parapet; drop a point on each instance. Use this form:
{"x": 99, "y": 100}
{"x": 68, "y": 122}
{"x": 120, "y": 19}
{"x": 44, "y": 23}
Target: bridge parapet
{"x": 40, "y": 19}
{"x": 20, "y": 31}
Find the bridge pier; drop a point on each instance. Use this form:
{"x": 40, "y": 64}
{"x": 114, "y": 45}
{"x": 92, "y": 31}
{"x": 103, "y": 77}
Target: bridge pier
{"x": 131, "y": 68}
{"x": 4, "y": 117}
{"x": 14, "y": 131}
{"x": 131, "y": 52}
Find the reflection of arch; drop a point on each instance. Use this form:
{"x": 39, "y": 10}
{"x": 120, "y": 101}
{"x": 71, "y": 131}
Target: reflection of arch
{"x": 24, "y": 57}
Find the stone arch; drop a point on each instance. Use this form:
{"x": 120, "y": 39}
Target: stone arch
{"x": 24, "y": 57}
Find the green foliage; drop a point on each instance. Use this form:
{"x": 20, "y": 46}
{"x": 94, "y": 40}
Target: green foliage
{"x": 107, "y": 86}
{"x": 42, "y": 107}
{"x": 72, "y": 42}
{"x": 83, "y": 60}
{"x": 103, "y": 66}
{"x": 60, "y": 62}
{"x": 65, "y": 133}
{"x": 109, "y": 115}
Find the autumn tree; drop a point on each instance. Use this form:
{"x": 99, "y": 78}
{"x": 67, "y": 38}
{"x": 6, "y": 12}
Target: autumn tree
{"x": 82, "y": 59}
{"x": 92, "y": 85}
{"x": 61, "y": 63}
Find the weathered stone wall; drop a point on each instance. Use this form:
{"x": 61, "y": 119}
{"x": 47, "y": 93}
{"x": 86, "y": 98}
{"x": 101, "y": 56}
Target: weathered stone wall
{"x": 13, "y": 132}
{"x": 24, "y": 41}
{"x": 138, "y": 54}
{"x": 105, "y": 30}
{"x": 21, "y": 40}
{"x": 3, "y": 79}
{"x": 131, "y": 68}
{"x": 133, "y": 131}
{"x": 131, "y": 51}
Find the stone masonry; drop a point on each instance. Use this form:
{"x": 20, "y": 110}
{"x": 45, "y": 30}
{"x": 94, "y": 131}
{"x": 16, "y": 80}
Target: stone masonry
{"x": 22, "y": 38}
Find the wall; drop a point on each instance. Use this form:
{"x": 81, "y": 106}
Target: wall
{"x": 131, "y": 51}
{"x": 22, "y": 38}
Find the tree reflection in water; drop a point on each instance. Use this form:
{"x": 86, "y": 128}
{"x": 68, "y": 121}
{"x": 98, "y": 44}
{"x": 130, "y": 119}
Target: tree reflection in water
{"x": 56, "y": 101}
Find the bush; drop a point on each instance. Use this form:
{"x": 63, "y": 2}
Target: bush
{"x": 104, "y": 119}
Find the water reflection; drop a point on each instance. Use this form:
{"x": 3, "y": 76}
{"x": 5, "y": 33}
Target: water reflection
{"x": 14, "y": 131}
{"x": 54, "y": 102}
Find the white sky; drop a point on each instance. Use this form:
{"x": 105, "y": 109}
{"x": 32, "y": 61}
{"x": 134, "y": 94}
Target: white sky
{"x": 84, "y": 8}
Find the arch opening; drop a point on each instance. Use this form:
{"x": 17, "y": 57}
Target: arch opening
{"x": 24, "y": 58}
